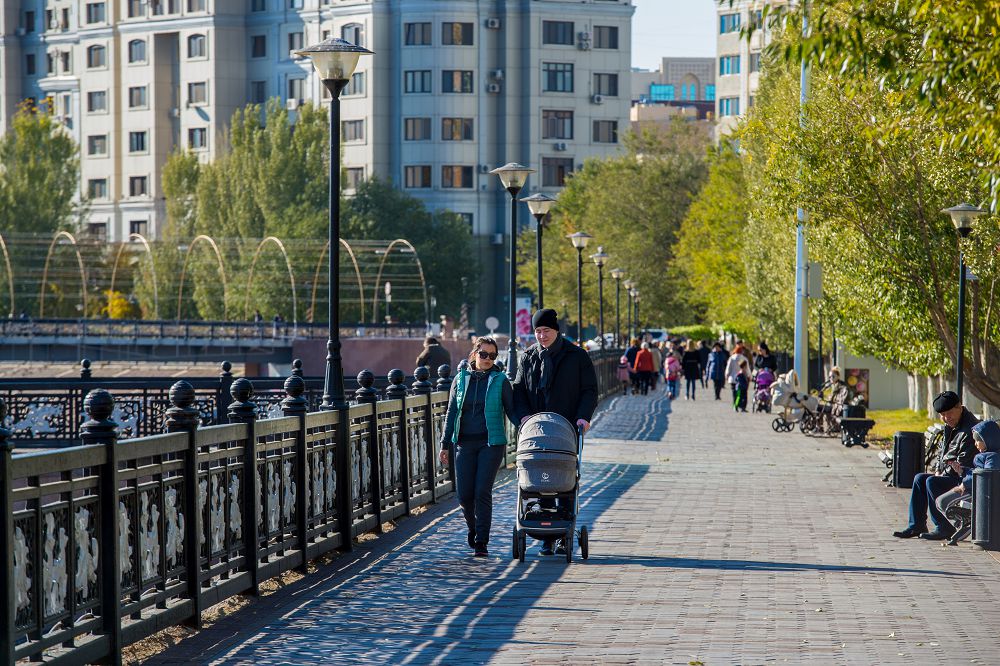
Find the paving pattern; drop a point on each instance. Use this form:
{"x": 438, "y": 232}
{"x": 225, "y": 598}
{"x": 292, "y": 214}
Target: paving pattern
{"x": 719, "y": 542}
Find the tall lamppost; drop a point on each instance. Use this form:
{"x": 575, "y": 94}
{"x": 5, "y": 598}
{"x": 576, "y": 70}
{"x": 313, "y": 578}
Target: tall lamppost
{"x": 963, "y": 216}
{"x": 335, "y": 61}
{"x": 600, "y": 258}
{"x": 539, "y": 204}
{"x": 617, "y": 274}
{"x": 629, "y": 286}
{"x": 579, "y": 240}
{"x": 512, "y": 177}
{"x": 635, "y": 316}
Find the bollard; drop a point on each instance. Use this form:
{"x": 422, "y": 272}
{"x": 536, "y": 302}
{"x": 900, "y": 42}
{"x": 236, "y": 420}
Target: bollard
{"x": 396, "y": 389}
{"x": 986, "y": 508}
{"x": 444, "y": 377}
{"x": 85, "y": 372}
{"x": 907, "y": 457}
{"x": 421, "y": 381}
{"x": 365, "y": 394}
{"x": 241, "y": 410}
{"x": 223, "y": 398}
{"x": 7, "y": 635}
{"x": 297, "y": 367}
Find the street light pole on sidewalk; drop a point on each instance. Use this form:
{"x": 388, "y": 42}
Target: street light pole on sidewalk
{"x": 600, "y": 258}
{"x": 629, "y": 286}
{"x": 801, "y": 250}
{"x": 963, "y": 216}
{"x": 579, "y": 240}
{"x": 539, "y": 204}
{"x": 617, "y": 274}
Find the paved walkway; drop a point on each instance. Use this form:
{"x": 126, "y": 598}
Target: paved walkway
{"x": 716, "y": 541}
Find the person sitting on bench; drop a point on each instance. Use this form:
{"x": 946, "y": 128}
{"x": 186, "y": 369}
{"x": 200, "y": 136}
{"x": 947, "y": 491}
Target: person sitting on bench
{"x": 957, "y": 452}
{"x": 986, "y": 436}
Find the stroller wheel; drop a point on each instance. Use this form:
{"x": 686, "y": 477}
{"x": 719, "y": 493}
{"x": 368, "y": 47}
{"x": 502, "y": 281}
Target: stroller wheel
{"x": 584, "y": 543}
{"x": 569, "y": 545}
{"x": 514, "y": 546}
{"x": 522, "y": 546}
{"x": 777, "y": 424}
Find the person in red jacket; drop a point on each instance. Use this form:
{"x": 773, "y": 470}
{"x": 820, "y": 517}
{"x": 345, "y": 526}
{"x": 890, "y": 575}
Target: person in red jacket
{"x": 644, "y": 367}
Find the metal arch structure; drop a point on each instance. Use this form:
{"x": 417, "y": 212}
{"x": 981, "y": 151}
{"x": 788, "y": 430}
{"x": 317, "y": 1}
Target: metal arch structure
{"x": 222, "y": 271}
{"x": 291, "y": 277}
{"x": 45, "y": 271}
{"x": 357, "y": 272}
{"x": 420, "y": 270}
{"x": 10, "y": 274}
{"x": 152, "y": 267}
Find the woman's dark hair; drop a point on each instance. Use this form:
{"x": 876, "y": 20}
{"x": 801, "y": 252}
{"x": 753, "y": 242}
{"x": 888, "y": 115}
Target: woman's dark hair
{"x": 763, "y": 347}
{"x": 474, "y": 354}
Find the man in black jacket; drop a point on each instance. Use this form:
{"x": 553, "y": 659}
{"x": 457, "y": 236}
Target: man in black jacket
{"x": 433, "y": 355}
{"x": 555, "y": 376}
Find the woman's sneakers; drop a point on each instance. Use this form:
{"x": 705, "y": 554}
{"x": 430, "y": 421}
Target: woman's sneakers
{"x": 481, "y": 550}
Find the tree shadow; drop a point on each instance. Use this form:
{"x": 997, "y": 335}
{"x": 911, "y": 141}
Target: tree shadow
{"x": 634, "y": 418}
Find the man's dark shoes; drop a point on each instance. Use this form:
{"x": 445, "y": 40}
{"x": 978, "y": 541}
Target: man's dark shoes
{"x": 909, "y": 532}
{"x": 561, "y": 547}
{"x": 481, "y": 550}
{"x": 546, "y": 547}
{"x": 472, "y": 538}
{"x": 936, "y": 535}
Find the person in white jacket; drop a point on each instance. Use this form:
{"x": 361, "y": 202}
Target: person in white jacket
{"x": 733, "y": 370}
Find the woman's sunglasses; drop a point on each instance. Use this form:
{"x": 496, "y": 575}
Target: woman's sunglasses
{"x": 487, "y": 355}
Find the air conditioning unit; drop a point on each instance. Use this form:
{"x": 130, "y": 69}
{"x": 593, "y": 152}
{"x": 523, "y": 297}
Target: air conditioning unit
{"x": 583, "y": 41}
{"x": 20, "y": 32}
{"x": 560, "y": 146}
{"x": 597, "y": 99}
{"x": 496, "y": 74}
{"x": 493, "y": 23}
{"x": 291, "y": 104}
{"x": 175, "y": 112}
{"x": 493, "y": 88}
{"x": 484, "y": 168}
{"x": 496, "y": 239}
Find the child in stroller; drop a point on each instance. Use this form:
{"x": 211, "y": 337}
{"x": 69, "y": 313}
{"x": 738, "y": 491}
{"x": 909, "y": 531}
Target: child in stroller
{"x": 762, "y": 395}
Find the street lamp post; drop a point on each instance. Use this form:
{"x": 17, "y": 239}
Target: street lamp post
{"x": 539, "y": 205}
{"x": 629, "y": 286}
{"x": 600, "y": 258}
{"x": 617, "y": 274}
{"x": 963, "y": 216}
{"x": 335, "y": 61}
{"x": 579, "y": 240}
{"x": 635, "y": 306}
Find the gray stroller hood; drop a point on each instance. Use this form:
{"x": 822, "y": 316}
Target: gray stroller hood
{"x": 546, "y": 454}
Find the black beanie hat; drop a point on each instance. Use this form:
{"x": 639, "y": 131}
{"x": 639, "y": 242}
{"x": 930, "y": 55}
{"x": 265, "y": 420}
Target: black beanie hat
{"x": 945, "y": 401}
{"x": 545, "y": 317}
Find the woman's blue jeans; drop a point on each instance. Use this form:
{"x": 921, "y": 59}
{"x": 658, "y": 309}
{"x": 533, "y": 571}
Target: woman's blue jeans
{"x": 476, "y": 467}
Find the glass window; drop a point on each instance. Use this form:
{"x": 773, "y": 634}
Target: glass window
{"x": 605, "y": 131}
{"x": 136, "y": 8}
{"x": 755, "y": 62}
{"x": 710, "y": 92}
{"x": 67, "y": 65}
{"x": 729, "y": 23}
{"x": 456, "y": 129}
{"x": 140, "y": 227}
{"x": 296, "y": 88}
{"x": 467, "y": 218}
{"x": 729, "y": 106}
{"x": 417, "y": 34}
{"x": 196, "y": 5}
{"x": 417, "y": 81}
{"x": 97, "y": 101}
{"x": 557, "y": 32}
{"x": 555, "y": 170}
{"x": 258, "y": 92}
{"x": 295, "y": 4}
{"x": 197, "y": 138}
{"x": 557, "y": 124}
{"x": 557, "y": 77}
{"x": 456, "y": 34}
{"x": 198, "y": 93}
{"x": 97, "y": 144}
{"x": 137, "y": 97}
{"x": 97, "y": 56}
{"x": 196, "y": 46}
{"x": 352, "y": 130}
{"x": 137, "y": 50}
{"x": 294, "y": 41}
{"x": 29, "y": 21}
{"x": 98, "y": 230}
{"x": 29, "y": 64}
{"x": 95, "y": 12}
{"x": 417, "y": 176}
{"x": 456, "y": 81}
{"x": 353, "y": 33}
{"x": 729, "y": 65}
{"x": 456, "y": 177}
{"x": 258, "y": 46}
{"x": 137, "y": 186}
{"x": 258, "y": 5}
{"x": 605, "y": 37}
{"x": 97, "y": 188}
{"x": 136, "y": 142}
{"x": 661, "y": 92}
{"x": 606, "y": 84}
{"x": 353, "y": 177}
{"x": 416, "y": 129}
{"x": 356, "y": 86}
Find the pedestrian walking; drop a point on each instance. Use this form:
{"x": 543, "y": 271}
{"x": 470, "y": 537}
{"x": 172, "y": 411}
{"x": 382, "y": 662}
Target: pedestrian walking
{"x": 691, "y": 364}
{"x": 630, "y": 354}
{"x": 673, "y": 370}
{"x": 703, "y": 353}
{"x": 657, "y": 354}
{"x": 481, "y": 396}
{"x": 716, "y": 369}
{"x": 742, "y": 387}
{"x": 433, "y": 355}
{"x": 734, "y": 369}
{"x": 764, "y": 359}
{"x": 643, "y": 367}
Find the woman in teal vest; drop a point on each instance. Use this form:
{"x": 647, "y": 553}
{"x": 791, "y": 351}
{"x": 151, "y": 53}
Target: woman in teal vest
{"x": 475, "y": 426}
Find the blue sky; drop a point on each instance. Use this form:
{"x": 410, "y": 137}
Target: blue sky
{"x": 672, "y": 28}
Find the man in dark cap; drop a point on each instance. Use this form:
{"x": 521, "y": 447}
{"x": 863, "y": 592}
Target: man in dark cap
{"x": 433, "y": 355}
{"x": 555, "y": 376}
{"x": 957, "y": 451}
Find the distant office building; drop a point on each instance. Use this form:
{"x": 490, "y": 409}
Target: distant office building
{"x": 684, "y": 83}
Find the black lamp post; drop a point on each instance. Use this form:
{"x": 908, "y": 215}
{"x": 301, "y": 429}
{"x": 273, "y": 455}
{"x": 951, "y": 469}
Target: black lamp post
{"x": 635, "y": 305}
{"x": 513, "y": 176}
{"x": 600, "y": 258}
{"x": 617, "y": 274}
{"x": 629, "y": 286}
{"x": 963, "y": 216}
{"x": 579, "y": 240}
{"x": 539, "y": 205}
{"x": 335, "y": 61}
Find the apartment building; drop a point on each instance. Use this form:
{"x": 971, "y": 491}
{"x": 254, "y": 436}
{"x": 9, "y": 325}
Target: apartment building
{"x": 681, "y": 87}
{"x": 456, "y": 88}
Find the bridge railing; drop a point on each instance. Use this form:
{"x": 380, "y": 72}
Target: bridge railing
{"x": 108, "y": 542}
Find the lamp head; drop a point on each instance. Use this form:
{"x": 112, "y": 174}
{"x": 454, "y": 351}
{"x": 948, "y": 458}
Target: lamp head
{"x": 580, "y": 239}
{"x": 617, "y": 273}
{"x": 600, "y": 257}
{"x": 335, "y": 59}
{"x": 513, "y": 176}
{"x": 539, "y": 204}
{"x": 629, "y": 284}
{"x": 964, "y": 216}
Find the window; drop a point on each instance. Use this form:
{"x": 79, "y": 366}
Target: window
{"x": 417, "y": 34}
{"x": 755, "y": 62}
{"x": 294, "y": 41}
{"x": 258, "y": 5}
{"x": 29, "y": 64}
{"x": 456, "y": 81}
{"x": 136, "y": 142}
{"x": 356, "y": 85}
{"x": 557, "y": 124}
{"x": 756, "y": 19}
{"x": 353, "y": 33}
{"x": 605, "y": 37}
{"x": 95, "y": 12}
{"x": 729, "y": 23}
{"x": 354, "y": 176}
{"x": 689, "y": 91}
{"x": 139, "y": 227}
{"x": 197, "y": 138}
{"x": 710, "y": 92}
{"x": 96, "y": 57}
{"x": 196, "y": 5}
{"x": 137, "y": 51}
{"x": 67, "y": 65}
{"x": 352, "y": 130}
{"x": 456, "y": 34}
{"x": 50, "y": 64}
{"x": 65, "y": 18}
{"x": 137, "y": 186}
{"x": 417, "y": 81}
{"x": 97, "y": 188}
{"x": 258, "y": 92}
{"x": 750, "y": 101}
{"x": 137, "y": 97}
{"x": 136, "y": 8}
{"x": 605, "y": 131}
{"x": 661, "y": 92}
{"x": 456, "y": 129}
{"x": 557, "y": 32}
{"x": 258, "y": 46}
{"x": 97, "y": 101}
{"x": 417, "y": 129}
{"x": 729, "y": 106}
{"x": 729, "y": 65}
{"x": 456, "y": 177}
{"x": 97, "y": 144}
{"x": 196, "y": 46}
{"x": 418, "y": 176}
{"x": 198, "y": 93}
{"x": 296, "y": 88}
{"x": 555, "y": 170}
{"x": 295, "y": 4}
{"x": 29, "y": 21}
{"x": 98, "y": 230}
{"x": 49, "y": 14}
{"x": 606, "y": 84}
{"x": 557, "y": 77}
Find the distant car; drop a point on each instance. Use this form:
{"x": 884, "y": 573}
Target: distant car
{"x": 657, "y": 334}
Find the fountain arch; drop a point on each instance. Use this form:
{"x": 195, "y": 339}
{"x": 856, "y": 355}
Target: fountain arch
{"x": 420, "y": 270}
{"x": 10, "y": 274}
{"x": 357, "y": 272}
{"x": 45, "y": 271}
{"x": 222, "y": 271}
{"x": 291, "y": 277}
{"x": 152, "y": 267}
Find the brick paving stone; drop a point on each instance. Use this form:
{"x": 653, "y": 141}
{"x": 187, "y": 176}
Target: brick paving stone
{"x": 714, "y": 540}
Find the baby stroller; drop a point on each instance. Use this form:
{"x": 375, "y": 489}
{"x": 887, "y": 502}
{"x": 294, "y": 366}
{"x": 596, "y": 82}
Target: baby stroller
{"x": 798, "y": 407}
{"x": 762, "y": 394}
{"x": 549, "y": 455}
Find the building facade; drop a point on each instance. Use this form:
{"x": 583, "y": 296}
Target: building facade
{"x": 456, "y": 88}
{"x": 681, "y": 88}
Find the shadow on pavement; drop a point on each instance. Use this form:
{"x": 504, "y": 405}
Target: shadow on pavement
{"x": 644, "y": 425}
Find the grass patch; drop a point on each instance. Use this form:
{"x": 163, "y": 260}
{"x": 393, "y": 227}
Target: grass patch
{"x": 889, "y": 421}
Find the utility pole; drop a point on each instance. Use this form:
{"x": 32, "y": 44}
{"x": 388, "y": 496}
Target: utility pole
{"x": 801, "y": 250}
